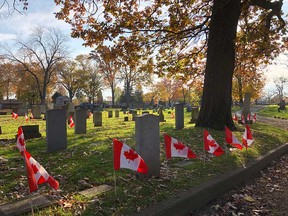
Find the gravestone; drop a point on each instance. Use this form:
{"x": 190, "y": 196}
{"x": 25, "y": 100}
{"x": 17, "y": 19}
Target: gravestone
{"x": 161, "y": 115}
{"x": 43, "y": 109}
{"x": 246, "y": 106}
{"x": 31, "y": 131}
{"x": 126, "y": 118}
{"x": 36, "y": 111}
{"x": 80, "y": 121}
{"x": 110, "y": 114}
{"x": 179, "y": 116}
{"x": 70, "y": 109}
{"x": 22, "y": 110}
{"x": 134, "y": 115}
{"x": 117, "y": 113}
{"x": 194, "y": 114}
{"x": 56, "y": 130}
{"x": 97, "y": 118}
{"x": 147, "y": 137}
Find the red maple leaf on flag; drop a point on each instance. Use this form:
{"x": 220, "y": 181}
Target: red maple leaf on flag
{"x": 212, "y": 143}
{"x": 179, "y": 146}
{"x": 130, "y": 155}
{"x": 35, "y": 169}
{"x": 21, "y": 141}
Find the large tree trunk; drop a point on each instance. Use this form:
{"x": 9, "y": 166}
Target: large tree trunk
{"x": 215, "y": 110}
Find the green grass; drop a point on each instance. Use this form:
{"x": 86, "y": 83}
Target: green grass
{"x": 272, "y": 111}
{"x": 89, "y": 157}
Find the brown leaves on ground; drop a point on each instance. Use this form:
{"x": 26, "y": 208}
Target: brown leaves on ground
{"x": 263, "y": 195}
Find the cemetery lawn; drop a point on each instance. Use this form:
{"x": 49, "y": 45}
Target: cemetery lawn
{"x": 88, "y": 162}
{"x": 272, "y": 112}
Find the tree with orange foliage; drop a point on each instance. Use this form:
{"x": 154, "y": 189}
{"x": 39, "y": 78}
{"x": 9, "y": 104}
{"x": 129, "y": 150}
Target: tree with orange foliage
{"x": 170, "y": 28}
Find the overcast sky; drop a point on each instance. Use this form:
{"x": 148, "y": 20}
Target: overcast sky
{"x": 40, "y": 12}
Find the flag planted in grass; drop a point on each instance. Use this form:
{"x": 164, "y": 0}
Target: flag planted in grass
{"x": 20, "y": 143}
{"x": 175, "y": 148}
{"x": 231, "y": 139}
{"x": 235, "y": 118}
{"x": 126, "y": 157}
{"x": 211, "y": 145}
{"x": 247, "y": 138}
{"x": 36, "y": 174}
{"x": 26, "y": 118}
{"x": 71, "y": 122}
{"x": 14, "y": 115}
{"x": 254, "y": 117}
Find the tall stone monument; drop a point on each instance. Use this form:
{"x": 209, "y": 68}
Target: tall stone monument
{"x": 56, "y": 130}
{"x": 147, "y": 137}
{"x": 80, "y": 121}
{"x": 179, "y": 116}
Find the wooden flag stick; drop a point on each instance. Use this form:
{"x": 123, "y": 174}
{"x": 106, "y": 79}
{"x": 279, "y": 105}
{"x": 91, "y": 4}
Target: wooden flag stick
{"x": 31, "y": 204}
{"x": 204, "y": 148}
{"x": 115, "y": 186}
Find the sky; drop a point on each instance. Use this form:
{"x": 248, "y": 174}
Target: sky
{"x": 40, "y": 12}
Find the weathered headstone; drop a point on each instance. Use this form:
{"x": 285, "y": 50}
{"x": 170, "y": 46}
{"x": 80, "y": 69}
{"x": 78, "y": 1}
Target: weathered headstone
{"x": 97, "y": 118}
{"x": 31, "y": 131}
{"x": 246, "y": 106}
{"x": 117, "y": 113}
{"x": 179, "y": 116}
{"x": 110, "y": 114}
{"x": 161, "y": 115}
{"x": 22, "y": 110}
{"x": 36, "y": 111}
{"x": 23, "y": 206}
{"x": 70, "y": 109}
{"x": 56, "y": 130}
{"x": 80, "y": 121}
{"x": 194, "y": 114}
{"x": 147, "y": 137}
{"x": 134, "y": 115}
{"x": 42, "y": 109}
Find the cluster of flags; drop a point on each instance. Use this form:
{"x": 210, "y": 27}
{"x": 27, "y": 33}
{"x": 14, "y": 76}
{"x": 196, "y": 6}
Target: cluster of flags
{"x": 36, "y": 174}
{"x": 126, "y": 157}
{"x": 15, "y": 116}
{"x": 254, "y": 117}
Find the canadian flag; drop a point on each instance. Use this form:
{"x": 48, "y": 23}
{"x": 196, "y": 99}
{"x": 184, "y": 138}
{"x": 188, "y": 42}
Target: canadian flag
{"x": 90, "y": 114}
{"x": 247, "y": 138}
{"x": 172, "y": 115}
{"x": 231, "y": 139}
{"x": 14, "y": 115}
{"x": 249, "y": 117}
{"x": 243, "y": 119}
{"x": 254, "y": 117}
{"x": 235, "y": 118}
{"x": 211, "y": 145}
{"x": 37, "y": 174}
{"x": 175, "y": 148}
{"x": 20, "y": 143}
{"x": 71, "y": 122}
{"x": 126, "y": 157}
{"x": 26, "y": 118}
{"x": 31, "y": 115}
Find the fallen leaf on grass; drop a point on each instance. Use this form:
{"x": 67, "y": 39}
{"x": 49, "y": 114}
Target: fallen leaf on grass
{"x": 249, "y": 199}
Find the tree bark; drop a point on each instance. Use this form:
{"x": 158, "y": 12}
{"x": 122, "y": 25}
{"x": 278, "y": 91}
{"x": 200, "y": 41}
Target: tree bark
{"x": 215, "y": 110}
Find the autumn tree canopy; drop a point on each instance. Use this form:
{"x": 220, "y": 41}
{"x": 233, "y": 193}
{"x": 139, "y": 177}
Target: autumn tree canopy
{"x": 172, "y": 30}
